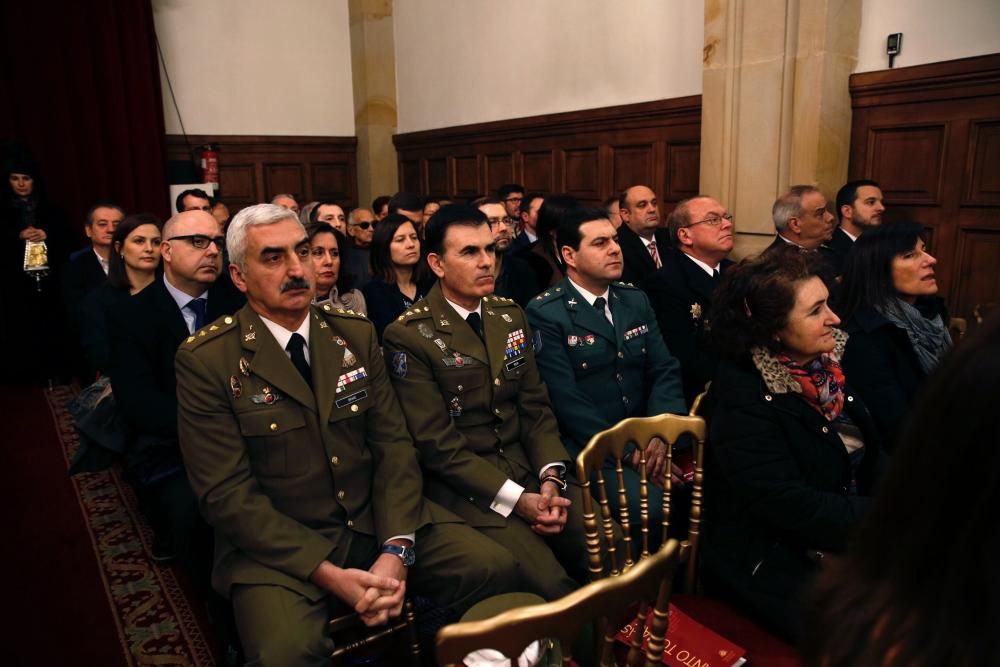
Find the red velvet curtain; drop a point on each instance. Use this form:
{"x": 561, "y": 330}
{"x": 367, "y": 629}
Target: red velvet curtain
{"x": 80, "y": 89}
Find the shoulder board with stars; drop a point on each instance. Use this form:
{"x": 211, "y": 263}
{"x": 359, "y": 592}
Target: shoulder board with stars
{"x": 209, "y": 332}
{"x": 622, "y": 285}
{"x": 330, "y": 309}
{"x": 416, "y": 312}
{"x": 549, "y": 294}
{"x": 493, "y": 300}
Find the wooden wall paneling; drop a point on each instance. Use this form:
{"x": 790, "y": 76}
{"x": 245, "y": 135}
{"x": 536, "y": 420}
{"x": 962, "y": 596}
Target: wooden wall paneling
{"x": 437, "y": 177}
{"x": 499, "y": 168}
{"x": 683, "y": 164}
{"x": 982, "y": 175}
{"x": 931, "y": 136}
{"x": 409, "y": 175}
{"x": 538, "y": 171}
{"x": 465, "y": 182}
{"x": 254, "y": 168}
{"x": 632, "y": 165}
{"x": 582, "y": 174}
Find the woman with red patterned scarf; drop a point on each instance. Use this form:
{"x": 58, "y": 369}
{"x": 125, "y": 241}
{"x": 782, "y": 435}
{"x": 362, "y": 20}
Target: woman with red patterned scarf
{"x": 792, "y": 452}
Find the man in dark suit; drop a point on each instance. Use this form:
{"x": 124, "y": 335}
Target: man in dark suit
{"x": 87, "y": 270}
{"x": 463, "y": 367}
{"x": 145, "y": 334}
{"x": 802, "y": 218}
{"x": 528, "y": 221}
{"x": 514, "y": 276}
{"x": 640, "y": 236}
{"x": 297, "y": 450}
{"x": 681, "y": 291}
{"x": 859, "y": 207}
{"x": 601, "y": 353}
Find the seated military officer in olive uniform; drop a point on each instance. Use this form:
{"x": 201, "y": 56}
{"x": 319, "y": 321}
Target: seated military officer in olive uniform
{"x": 463, "y": 367}
{"x": 601, "y": 354}
{"x": 294, "y": 444}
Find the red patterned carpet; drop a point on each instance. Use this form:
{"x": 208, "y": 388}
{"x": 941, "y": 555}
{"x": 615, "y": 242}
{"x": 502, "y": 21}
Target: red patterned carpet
{"x": 85, "y": 591}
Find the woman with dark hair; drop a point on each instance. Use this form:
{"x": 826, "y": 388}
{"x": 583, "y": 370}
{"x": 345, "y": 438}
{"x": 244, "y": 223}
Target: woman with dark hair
{"x": 398, "y": 275}
{"x": 919, "y": 584}
{"x": 542, "y": 255}
{"x": 898, "y": 326}
{"x": 132, "y": 266}
{"x": 330, "y": 250}
{"x": 794, "y": 454}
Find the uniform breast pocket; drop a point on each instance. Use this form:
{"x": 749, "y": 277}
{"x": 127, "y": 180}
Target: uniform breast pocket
{"x": 588, "y": 360}
{"x": 271, "y": 435}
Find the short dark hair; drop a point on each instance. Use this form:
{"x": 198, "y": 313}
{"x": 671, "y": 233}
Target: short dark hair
{"x": 194, "y": 192}
{"x": 508, "y": 189}
{"x": 117, "y": 275}
{"x": 379, "y": 202}
{"x": 550, "y": 214}
{"x": 867, "y": 278}
{"x": 314, "y": 228}
{"x": 568, "y": 232}
{"x": 447, "y": 216}
{"x": 754, "y": 299}
{"x": 380, "y": 255}
{"x": 483, "y": 201}
{"x": 103, "y": 203}
{"x": 406, "y": 201}
{"x": 849, "y": 193}
{"x": 528, "y": 198}
{"x": 314, "y": 213}
{"x": 606, "y": 204}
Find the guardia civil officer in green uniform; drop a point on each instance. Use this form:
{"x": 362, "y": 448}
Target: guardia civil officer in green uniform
{"x": 463, "y": 366}
{"x": 294, "y": 444}
{"x": 602, "y": 355}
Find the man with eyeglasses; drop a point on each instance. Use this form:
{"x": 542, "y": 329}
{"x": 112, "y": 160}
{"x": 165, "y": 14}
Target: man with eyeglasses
{"x": 511, "y": 195}
{"x": 145, "y": 334}
{"x": 513, "y": 274}
{"x": 681, "y": 291}
{"x": 360, "y": 231}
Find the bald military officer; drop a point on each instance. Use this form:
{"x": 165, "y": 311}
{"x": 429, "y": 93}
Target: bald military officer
{"x": 295, "y": 447}
{"x": 463, "y": 367}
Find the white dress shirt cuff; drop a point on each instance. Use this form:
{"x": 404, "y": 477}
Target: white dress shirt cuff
{"x": 557, "y": 464}
{"x": 412, "y": 537}
{"x": 506, "y": 498}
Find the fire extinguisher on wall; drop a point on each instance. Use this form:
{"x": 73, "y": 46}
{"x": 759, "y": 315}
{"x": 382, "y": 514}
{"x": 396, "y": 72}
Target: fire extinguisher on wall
{"x": 209, "y": 164}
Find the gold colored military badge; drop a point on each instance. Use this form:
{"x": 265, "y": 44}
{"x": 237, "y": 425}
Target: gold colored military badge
{"x": 695, "y": 311}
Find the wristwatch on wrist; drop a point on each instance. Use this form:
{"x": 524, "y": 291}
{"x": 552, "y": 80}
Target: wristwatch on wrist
{"x": 556, "y": 475}
{"x": 406, "y": 554}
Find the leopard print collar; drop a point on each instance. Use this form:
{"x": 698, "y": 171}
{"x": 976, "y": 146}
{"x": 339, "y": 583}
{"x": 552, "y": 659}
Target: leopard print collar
{"x": 776, "y": 377}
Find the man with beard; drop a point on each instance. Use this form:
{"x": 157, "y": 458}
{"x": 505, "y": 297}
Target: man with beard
{"x": 859, "y": 207}
{"x": 681, "y": 292}
{"x": 601, "y": 353}
{"x": 463, "y": 365}
{"x": 513, "y": 274}
{"x": 145, "y": 334}
{"x": 297, "y": 451}
{"x": 643, "y": 241}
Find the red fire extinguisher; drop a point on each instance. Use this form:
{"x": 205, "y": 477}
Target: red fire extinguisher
{"x": 209, "y": 164}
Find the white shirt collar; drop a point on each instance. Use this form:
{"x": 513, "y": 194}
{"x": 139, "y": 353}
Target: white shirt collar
{"x": 647, "y": 242}
{"x": 462, "y": 312}
{"x": 183, "y": 299}
{"x": 103, "y": 262}
{"x": 849, "y": 235}
{"x": 532, "y": 237}
{"x": 282, "y": 335}
{"x": 710, "y": 270}
{"x": 591, "y": 298}
{"x": 789, "y": 242}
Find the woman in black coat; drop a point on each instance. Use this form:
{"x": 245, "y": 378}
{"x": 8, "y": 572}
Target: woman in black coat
{"x": 897, "y": 324}
{"x": 792, "y": 454}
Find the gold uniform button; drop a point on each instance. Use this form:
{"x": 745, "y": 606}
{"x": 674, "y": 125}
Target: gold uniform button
{"x": 350, "y": 523}
{"x": 340, "y": 495}
{"x": 768, "y": 398}
{"x": 850, "y": 399}
{"x": 496, "y": 411}
{"x": 620, "y": 377}
{"x": 584, "y": 365}
{"x": 274, "y": 426}
{"x": 228, "y": 320}
{"x": 825, "y": 429}
{"x": 496, "y": 381}
{"x": 354, "y": 408}
{"x": 335, "y": 460}
{"x": 621, "y": 355}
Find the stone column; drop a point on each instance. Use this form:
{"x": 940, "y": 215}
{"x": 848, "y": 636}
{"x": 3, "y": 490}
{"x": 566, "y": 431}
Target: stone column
{"x": 775, "y": 104}
{"x": 373, "y": 65}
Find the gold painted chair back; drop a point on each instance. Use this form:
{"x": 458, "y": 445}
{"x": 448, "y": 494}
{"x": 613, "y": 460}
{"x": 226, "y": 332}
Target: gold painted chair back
{"x": 608, "y": 600}
{"x": 590, "y": 466}
{"x": 351, "y": 622}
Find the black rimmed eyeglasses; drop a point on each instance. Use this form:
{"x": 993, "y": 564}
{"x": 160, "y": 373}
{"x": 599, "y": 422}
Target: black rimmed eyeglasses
{"x": 201, "y": 241}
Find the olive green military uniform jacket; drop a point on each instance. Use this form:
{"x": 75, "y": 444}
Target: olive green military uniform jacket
{"x": 479, "y": 413}
{"x": 284, "y": 473}
{"x": 598, "y": 373}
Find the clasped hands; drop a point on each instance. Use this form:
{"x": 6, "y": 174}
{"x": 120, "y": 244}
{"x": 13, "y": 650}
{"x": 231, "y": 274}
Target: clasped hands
{"x": 32, "y": 234}
{"x": 545, "y": 511}
{"x": 656, "y": 463}
{"x": 376, "y": 594}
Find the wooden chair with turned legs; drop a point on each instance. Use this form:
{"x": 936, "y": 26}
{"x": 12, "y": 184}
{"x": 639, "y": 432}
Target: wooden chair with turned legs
{"x": 608, "y": 600}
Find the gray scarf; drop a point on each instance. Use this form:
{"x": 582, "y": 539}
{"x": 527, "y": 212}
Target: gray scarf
{"x": 929, "y": 336}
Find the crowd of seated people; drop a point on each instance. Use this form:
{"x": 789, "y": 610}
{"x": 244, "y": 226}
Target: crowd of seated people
{"x": 370, "y": 399}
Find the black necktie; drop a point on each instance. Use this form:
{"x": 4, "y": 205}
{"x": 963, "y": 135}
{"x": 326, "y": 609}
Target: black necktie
{"x": 599, "y": 303}
{"x": 296, "y": 350}
{"x": 476, "y": 322}
{"x": 715, "y": 274}
{"x": 197, "y": 306}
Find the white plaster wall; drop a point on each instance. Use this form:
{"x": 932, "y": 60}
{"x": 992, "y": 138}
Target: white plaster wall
{"x": 933, "y": 31}
{"x": 257, "y": 66}
{"x": 470, "y": 61}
